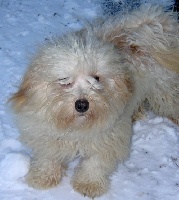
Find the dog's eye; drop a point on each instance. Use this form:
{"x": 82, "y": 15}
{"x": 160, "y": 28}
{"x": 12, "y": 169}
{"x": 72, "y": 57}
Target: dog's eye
{"x": 65, "y": 82}
{"x": 96, "y": 78}
{"x": 63, "y": 79}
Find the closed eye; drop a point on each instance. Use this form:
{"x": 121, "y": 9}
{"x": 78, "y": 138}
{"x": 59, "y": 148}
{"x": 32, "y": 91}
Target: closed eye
{"x": 65, "y": 82}
{"x": 61, "y": 79}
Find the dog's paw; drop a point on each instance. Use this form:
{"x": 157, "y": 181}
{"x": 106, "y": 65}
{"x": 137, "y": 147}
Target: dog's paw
{"x": 44, "y": 178}
{"x": 92, "y": 188}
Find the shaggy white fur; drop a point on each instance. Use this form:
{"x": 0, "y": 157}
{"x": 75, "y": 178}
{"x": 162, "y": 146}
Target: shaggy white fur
{"x": 81, "y": 91}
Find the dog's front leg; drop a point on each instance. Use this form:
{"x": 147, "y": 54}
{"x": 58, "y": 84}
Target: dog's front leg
{"x": 92, "y": 176}
{"x": 49, "y": 162}
{"x": 44, "y": 173}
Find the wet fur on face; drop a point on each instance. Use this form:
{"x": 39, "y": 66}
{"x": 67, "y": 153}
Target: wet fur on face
{"x": 81, "y": 91}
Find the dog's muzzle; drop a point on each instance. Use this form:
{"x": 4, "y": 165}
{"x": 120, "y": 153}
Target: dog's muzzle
{"x": 81, "y": 105}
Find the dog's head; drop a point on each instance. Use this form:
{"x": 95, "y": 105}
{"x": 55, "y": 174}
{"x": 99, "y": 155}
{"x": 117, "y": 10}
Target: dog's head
{"x": 76, "y": 82}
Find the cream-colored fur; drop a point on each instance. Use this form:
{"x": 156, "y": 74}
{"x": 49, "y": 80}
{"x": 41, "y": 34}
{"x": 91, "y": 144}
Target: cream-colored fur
{"x": 114, "y": 66}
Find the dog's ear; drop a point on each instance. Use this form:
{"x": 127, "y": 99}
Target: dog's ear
{"x": 19, "y": 99}
{"x": 31, "y": 90}
{"x": 148, "y": 31}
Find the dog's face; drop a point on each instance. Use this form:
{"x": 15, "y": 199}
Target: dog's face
{"x": 77, "y": 83}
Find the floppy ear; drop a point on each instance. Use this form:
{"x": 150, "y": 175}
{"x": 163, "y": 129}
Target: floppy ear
{"x": 19, "y": 99}
{"x": 148, "y": 31}
{"x": 32, "y": 92}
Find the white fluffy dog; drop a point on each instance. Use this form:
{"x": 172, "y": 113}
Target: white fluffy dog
{"x": 81, "y": 91}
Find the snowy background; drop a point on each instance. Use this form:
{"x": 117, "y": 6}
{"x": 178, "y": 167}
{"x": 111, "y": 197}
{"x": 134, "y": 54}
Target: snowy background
{"x": 152, "y": 170}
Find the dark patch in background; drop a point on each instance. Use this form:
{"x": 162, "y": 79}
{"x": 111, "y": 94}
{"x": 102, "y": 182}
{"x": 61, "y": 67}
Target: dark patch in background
{"x": 176, "y": 6}
{"x": 112, "y": 7}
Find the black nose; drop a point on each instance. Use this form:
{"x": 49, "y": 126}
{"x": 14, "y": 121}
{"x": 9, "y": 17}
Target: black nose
{"x": 81, "y": 105}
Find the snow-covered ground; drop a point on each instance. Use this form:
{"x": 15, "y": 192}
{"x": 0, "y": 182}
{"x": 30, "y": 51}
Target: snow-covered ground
{"x": 152, "y": 170}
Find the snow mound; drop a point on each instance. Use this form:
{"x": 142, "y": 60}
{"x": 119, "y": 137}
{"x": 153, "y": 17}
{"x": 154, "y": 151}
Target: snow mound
{"x": 14, "y": 166}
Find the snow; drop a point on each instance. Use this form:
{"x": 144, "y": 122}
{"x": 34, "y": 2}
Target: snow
{"x": 152, "y": 170}
{"x": 19, "y": 168}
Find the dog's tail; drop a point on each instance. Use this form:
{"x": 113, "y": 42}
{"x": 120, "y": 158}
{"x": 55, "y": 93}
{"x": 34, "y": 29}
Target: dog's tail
{"x": 147, "y": 31}
{"x": 157, "y": 33}
{"x": 168, "y": 59}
